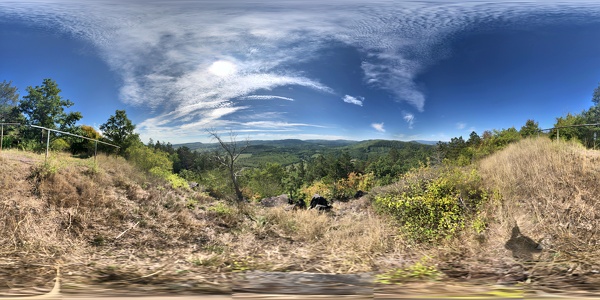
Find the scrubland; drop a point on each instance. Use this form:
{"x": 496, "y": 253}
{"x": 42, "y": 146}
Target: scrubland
{"x": 107, "y": 224}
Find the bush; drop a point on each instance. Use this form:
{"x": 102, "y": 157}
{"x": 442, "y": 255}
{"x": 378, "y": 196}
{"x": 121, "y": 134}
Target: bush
{"x": 346, "y": 188}
{"x": 148, "y": 159}
{"x": 59, "y": 145}
{"x": 432, "y": 205}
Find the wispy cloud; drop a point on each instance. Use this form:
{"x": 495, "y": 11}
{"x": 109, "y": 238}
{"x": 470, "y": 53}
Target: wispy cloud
{"x": 266, "y": 97}
{"x": 354, "y": 100}
{"x": 191, "y": 61}
{"x": 271, "y": 124}
{"x": 409, "y": 118}
{"x": 378, "y": 127}
{"x": 461, "y": 125}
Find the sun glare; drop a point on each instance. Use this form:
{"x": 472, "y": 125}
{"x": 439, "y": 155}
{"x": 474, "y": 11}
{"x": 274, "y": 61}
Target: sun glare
{"x": 222, "y": 68}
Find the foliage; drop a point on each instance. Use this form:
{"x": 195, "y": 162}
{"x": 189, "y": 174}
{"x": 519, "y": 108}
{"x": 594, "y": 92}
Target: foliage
{"x": 43, "y": 106}
{"x": 174, "y": 180}
{"x": 9, "y": 97}
{"x": 346, "y": 188}
{"x": 148, "y": 159}
{"x": 59, "y": 144}
{"x": 531, "y": 128}
{"x": 569, "y": 133}
{"x": 432, "y": 205}
{"x": 84, "y": 146}
{"x": 120, "y": 131}
{"x": 317, "y": 187}
{"x": 265, "y": 181}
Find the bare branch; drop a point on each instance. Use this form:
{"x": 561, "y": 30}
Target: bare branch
{"x": 233, "y": 152}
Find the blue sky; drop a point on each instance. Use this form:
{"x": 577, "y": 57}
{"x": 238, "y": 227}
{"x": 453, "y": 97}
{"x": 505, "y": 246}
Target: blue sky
{"x": 404, "y": 70}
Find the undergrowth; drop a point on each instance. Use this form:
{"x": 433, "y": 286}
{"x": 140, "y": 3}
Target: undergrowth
{"x": 433, "y": 203}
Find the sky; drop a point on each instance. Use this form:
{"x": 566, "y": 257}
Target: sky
{"x": 337, "y": 69}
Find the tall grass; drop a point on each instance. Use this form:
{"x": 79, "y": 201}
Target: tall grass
{"x": 550, "y": 190}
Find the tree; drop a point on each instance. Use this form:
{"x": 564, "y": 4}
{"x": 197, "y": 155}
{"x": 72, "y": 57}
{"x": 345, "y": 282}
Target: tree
{"x": 8, "y": 100}
{"x": 596, "y": 96}
{"x": 79, "y": 145}
{"x": 531, "y": 128}
{"x": 233, "y": 149}
{"x": 474, "y": 139}
{"x": 568, "y": 133}
{"x": 120, "y": 131}
{"x": 43, "y": 106}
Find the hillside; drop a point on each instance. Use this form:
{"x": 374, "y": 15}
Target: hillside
{"x": 110, "y": 226}
{"x": 290, "y": 151}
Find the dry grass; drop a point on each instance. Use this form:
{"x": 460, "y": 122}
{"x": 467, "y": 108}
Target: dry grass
{"x": 551, "y": 190}
{"x": 109, "y": 225}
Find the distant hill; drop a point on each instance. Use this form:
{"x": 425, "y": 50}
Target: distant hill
{"x": 425, "y": 142}
{"x": 290, "y": 151}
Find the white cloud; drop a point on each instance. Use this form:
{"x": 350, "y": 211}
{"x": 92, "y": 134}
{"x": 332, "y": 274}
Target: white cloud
{"x": 272, "y": 124}
{"x": 265, "y": 97}
{"x": 354, "y": 100}
{"x": 378, "y": 127}
{"x": 189, "y": 61}
{"x": 409, "y": 118}
{"x": 461, "y": 125}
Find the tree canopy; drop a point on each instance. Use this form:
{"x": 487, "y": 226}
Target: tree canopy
{"x": 43, "y": 106}
{"x": 120, "y": 130}
{"x": 9, "y": 97}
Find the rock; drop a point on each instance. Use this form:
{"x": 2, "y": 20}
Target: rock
{"x": 359, "y": 194}
{"x": 319, "y": 202}
{"x": 280, "y": 200}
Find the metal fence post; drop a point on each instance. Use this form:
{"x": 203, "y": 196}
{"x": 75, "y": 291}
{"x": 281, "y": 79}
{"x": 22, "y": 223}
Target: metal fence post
{"x": 47, "y": 145}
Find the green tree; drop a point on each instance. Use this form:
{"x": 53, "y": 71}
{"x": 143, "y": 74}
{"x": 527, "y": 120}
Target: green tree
{"x": 596, "y": 95}
{"x": 119, "y": 130}
{"x": 43, "y": 106}
{"x": 9, "y": 97}
{"x": 568, "y": 133}
{"x": 84, "y": 146}
{"x": 474, "y": 139}
{"x": 531, "y": 128}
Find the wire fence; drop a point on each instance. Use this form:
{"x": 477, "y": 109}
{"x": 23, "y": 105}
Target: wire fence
{"x": 558, "y": 128}
{"x": 49, "y": 131}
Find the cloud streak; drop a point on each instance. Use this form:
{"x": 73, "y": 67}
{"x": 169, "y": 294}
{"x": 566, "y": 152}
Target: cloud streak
{"x": 353, "y": 100}
{"x": 409, "y": 118}
{"x": 193, "y": 63}
{"x": 266, "y": 97}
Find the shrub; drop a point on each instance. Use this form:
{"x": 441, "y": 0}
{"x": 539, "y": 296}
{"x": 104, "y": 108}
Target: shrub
{"x": 148, "y": 159}
{"x": 432, "y": 205}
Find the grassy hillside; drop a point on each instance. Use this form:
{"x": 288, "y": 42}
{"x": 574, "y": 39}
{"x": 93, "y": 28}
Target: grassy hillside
{"x": 110, "y": 225}
{"x": 113, "y": 226}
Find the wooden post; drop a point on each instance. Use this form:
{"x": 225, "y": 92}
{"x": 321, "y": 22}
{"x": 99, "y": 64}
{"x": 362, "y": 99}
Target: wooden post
{"x": 2, "y": 137}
